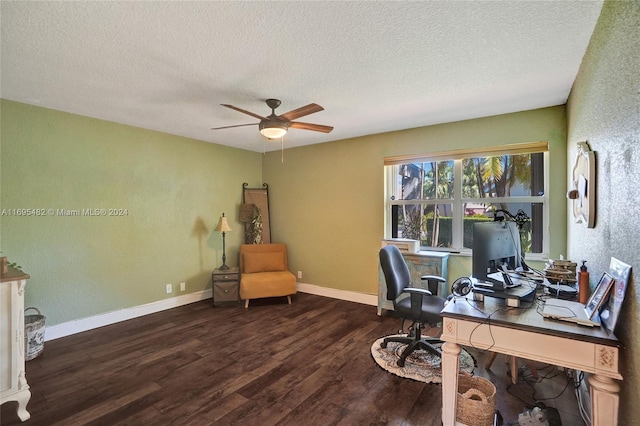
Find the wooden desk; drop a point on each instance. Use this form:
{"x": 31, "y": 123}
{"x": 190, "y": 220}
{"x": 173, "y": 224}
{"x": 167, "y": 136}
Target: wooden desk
{"x": 524, "y": 333}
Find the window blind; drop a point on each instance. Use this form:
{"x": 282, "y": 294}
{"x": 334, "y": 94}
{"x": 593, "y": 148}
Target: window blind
{"x": 493, "y": 151}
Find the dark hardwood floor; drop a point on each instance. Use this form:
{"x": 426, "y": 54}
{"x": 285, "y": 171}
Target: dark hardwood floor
{"x": 274, "y": 363}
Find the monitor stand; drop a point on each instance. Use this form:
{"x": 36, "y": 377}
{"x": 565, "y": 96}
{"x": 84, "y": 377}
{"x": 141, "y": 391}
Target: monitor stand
{"x": 512, "y": 296}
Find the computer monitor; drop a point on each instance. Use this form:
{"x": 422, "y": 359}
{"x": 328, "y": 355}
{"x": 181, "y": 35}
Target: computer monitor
{"x": 495, "y": 244}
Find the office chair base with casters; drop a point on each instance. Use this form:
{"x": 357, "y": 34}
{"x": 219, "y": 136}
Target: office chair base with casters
{"x": 414, "y": 341}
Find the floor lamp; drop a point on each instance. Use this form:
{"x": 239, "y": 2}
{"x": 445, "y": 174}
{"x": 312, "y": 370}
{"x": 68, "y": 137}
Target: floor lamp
{"x": 223, "y": 226}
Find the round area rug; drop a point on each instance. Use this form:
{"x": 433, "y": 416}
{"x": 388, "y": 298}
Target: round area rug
{"x": 420, "y": 365}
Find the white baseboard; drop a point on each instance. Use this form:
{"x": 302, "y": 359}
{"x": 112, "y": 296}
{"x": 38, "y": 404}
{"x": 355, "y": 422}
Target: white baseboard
{"x": 108, "y": 318}
{"x": 351, "y": 296}
{"x": 84, "y": 324}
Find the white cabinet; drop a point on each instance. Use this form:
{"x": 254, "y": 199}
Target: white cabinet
{"x": 13, "y": 381}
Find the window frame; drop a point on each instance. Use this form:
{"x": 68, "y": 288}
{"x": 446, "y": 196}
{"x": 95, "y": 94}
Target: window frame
{"x": 391, "y": 165}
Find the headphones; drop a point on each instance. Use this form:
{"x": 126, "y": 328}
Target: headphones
{"x": 461, "y": 287}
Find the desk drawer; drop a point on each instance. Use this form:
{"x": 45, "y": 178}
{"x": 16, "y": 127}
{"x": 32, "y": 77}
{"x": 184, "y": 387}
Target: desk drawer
{"x": 226, "y": 277}
{"x": 225, "y": 291}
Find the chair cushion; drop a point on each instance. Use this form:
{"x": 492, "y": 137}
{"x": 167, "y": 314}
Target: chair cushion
{"x": 267, "y": 284}
{"x": 431, "y": 308}
{"x": 263, "y": 262}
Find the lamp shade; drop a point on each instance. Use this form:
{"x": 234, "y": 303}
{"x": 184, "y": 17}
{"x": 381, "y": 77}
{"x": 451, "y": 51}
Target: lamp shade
{"x": 223, "y": 225}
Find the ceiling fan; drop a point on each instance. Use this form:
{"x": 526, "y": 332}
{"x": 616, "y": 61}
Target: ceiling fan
{"x": 275, "y": 126}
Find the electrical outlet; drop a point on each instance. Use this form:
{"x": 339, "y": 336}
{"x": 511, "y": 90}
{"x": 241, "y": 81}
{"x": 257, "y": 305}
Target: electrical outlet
{"x": 168, "y": 288}
{"x": 300, "y": 274}
{"x": 183, "y": 286}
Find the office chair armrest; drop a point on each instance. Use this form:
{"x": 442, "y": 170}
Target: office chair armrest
{"x": 432, "y": 282}
{"x": 419, "y": 291}
{"x": 417, "y": 296}
{"x": 433, "y": 278}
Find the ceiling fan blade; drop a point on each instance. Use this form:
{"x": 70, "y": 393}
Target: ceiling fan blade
{"x": 244, "y": 111}
{"x": 310, "y": 126}
{"x": 301, "y": 112}
{"x": 237, "y": 125}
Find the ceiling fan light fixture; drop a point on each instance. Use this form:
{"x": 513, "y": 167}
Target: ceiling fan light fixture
{"x": 273, "y": 130}
{"x": 275, "y": 126}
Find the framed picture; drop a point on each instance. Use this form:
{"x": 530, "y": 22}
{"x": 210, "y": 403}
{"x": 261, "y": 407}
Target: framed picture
{"x": 257, "y": 230}
{"x": 583, "y": 186}
{"x": 599, "y": 295}
{"x": 621, "y": 272}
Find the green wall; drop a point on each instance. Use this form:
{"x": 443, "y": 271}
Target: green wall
{"x": 173, "y": 189}
{"x": 326, "y": 203}
{"x": 327, "y": 200}
{"x": 604, "y": 109}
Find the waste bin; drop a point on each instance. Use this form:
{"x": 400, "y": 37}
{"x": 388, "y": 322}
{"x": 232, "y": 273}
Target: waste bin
{"x": 475, "y": 401}
{"x": 33, "y": 334}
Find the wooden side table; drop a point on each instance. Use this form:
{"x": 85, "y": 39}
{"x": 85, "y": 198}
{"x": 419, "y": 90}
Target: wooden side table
{"x": 226, "y": 284}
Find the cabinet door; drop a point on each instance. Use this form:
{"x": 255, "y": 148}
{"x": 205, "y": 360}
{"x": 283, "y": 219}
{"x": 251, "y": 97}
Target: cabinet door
{"x": 6, "y": 337}
{"x": 420, "y": 266}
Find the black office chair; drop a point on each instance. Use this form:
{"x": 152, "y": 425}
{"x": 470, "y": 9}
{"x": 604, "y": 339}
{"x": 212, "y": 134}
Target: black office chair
{"x": 415, "y": 304}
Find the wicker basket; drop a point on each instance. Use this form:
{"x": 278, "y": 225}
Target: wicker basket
{"x": 33, "y": 334}
{"x": 475, "y": 401}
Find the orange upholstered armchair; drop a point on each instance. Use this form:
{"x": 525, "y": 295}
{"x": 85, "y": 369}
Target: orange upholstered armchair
{"x": 264, "y": 273}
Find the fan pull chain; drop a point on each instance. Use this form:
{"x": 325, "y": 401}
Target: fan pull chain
{"x": 282, "y": 149}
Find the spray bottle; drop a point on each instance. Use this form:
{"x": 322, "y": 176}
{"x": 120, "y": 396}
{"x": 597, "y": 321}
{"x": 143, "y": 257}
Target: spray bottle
{"x": 583, "y": 283}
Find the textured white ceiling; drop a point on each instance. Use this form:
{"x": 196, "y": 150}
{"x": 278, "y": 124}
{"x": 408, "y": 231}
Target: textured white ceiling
{"x": 374, "y": 66}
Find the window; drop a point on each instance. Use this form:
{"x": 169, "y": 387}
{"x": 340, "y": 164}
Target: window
{"x": 437, "y": 198}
